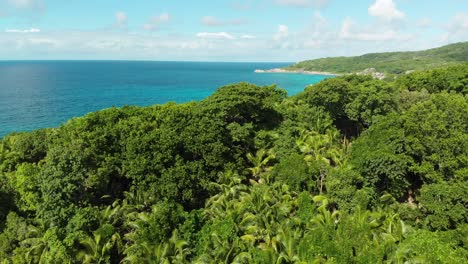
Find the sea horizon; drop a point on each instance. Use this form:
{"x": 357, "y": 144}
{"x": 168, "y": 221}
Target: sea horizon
{"x": 46, "y": 93}
{"x": 137, "y": 60}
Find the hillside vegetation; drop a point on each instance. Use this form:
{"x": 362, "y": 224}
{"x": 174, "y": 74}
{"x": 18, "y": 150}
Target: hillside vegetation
{"x": 389, "y": 62}
{"x": 352, "y": 170}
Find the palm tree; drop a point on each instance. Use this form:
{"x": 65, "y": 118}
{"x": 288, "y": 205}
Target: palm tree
{"x": 222, "y": 204}
{"x": 36, "y": 244}
{"x": 325, "y": 218}
{"x": 112, "y": 214}
{"x": 147, "y": 254}
{"x": 322, "y": 150}
{"x": 260, "y": 164}
{"x": 289, "y": 237}
{"x": 97, "y": 249}
{"x": 243, "y": 257}
{"x": 175, "y": 250}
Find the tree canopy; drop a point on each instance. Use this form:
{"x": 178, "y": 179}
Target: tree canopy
{"x": 352, "y": 170}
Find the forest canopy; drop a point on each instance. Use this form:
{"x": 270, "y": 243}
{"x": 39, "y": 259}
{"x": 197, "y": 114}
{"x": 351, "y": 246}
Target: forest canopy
{"x": 352, "y": 170}
{"x": 390, "y": 62}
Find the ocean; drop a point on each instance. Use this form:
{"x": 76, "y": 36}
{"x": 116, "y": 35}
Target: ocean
{"x": 40, "y": 94}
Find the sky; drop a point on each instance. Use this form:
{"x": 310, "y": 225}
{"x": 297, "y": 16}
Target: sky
{"x": 224, "y": 30}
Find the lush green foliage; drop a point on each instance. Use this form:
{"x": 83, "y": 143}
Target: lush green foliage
{"x": 390, "y": 62}
{"x": 352, "y": 170}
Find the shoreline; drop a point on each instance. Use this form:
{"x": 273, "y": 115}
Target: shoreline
{"x": 279, "y": 70}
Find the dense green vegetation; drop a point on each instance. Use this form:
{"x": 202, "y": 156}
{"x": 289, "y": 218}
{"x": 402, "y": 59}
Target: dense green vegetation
{"x": 389, "y": 62}
{"x": 352, "y": 170}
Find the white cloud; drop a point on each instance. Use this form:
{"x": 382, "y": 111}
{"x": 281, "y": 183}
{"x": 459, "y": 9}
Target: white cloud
{"x": 156, "y": 21}
{"x": 121, "y": 18}
{"x": 459, "y": 22}
{"x": 282, "y": 33}
{"x": 456, "y": 29}
{"x": 319, "y": 21}
{"x": 385, "y": 9}
{"x": 31, "y": 30}
{"x": 303, "y": 3}
{"x": 35, "y": 45}
{"x": 207, "y": 46}
{"x": 316, "y": 37}
{"x": 222, "y": 35}
{"x": 215, "y": 35}
{"x": 43, "y": 41}
{"x": 346, "y": 27}
{"x": 281, "y": 39}
{"x": 248, "y": 37}
{"x": 318, "y": 33}
{"x": 348, "y": 31}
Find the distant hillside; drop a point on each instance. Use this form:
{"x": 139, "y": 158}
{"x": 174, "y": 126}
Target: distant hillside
{"x": 389, "y": 62}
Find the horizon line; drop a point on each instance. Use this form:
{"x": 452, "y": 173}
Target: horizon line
{"x": 129, "y": 60}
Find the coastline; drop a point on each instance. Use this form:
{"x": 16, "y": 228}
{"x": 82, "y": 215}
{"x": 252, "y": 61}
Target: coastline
{"x": 279, "y": 70}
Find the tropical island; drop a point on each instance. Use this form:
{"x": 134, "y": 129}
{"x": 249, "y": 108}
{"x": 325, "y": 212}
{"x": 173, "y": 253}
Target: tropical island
{"x": 352, "y": 170}
{"x": 381, "y": 65}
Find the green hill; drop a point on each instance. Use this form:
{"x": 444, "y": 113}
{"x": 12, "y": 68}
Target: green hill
{"x": 389, "y": 62}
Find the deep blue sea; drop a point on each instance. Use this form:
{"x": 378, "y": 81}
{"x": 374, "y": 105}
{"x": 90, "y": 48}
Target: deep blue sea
{"x": 39, "y": 94}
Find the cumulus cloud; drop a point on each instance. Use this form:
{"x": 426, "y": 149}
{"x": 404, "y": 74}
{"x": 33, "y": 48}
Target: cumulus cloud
{"x": 303, "y": 3}
{"x": 215, "y": 35}
{"x": 99, "y": 44}
{"x": 31, "y": 30}
{"x": 156, "y": 21}
{"x": 459, "y": 23}
{"x": 349, "y": 31}
{"x": 456, "y": 29}
{"x": 281, "y": 39}
{"x": 121, "y": 18}
{"x": 319, "y": 21}
{"x": 385, "y": 9}
{"x": 315, "y": 37}
{"x": 204, "y": 46}
{"x": 318, "y": 33}
{"x": 111, "y": 44}
{"x": 212, "y": 21}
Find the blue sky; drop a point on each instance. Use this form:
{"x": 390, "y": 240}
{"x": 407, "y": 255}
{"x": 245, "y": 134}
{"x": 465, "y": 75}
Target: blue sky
{"x": 230, "y": 30}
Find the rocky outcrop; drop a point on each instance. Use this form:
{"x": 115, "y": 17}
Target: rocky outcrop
{"x": 373, "y": 72}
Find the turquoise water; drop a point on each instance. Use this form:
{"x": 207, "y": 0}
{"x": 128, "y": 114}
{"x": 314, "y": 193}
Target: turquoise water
{"x": 39, "y": 94}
